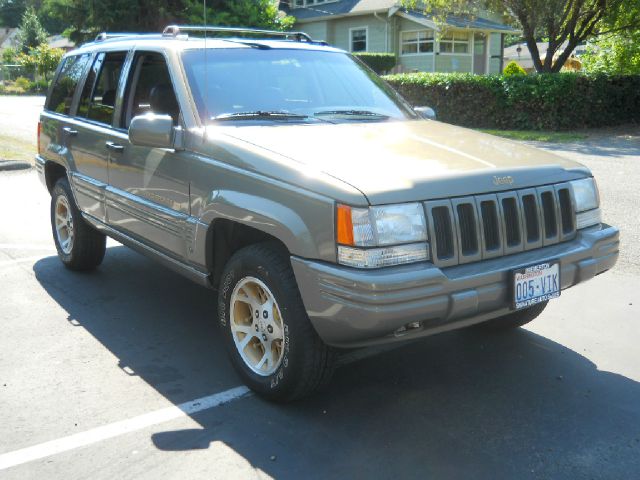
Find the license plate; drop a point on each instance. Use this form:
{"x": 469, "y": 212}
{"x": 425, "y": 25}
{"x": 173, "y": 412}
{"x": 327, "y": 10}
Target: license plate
{"x": 535, "y": 284}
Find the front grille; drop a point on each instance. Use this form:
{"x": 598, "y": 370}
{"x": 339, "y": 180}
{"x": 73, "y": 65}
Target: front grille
{"x": 477, "y": 227}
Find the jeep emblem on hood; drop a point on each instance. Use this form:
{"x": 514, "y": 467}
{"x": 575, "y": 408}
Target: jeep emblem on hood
{"x": 508, "y": 180}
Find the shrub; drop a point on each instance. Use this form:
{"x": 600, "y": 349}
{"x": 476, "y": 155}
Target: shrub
{"x": 23, "y": 83}
{"x": 525, "y": 102}
{"x": 513, "y": 68}
{"x": 378, "y": 62}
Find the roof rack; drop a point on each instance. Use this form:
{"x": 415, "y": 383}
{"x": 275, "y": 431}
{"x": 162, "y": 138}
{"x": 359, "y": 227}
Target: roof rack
{"x": 175, "y": 30}
{"x": 101, "y": 37}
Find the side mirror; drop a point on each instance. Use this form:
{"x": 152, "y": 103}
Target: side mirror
{"x": 152, "y": 130}
{"x": 427, "y": 113}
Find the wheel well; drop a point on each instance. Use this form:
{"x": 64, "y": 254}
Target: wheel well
{"x": 224, "y": 238}
{"x": 52, "y": 173}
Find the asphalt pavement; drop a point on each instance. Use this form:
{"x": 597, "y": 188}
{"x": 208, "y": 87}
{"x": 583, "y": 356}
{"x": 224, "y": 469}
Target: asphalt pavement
{"x": 121, "y": 373}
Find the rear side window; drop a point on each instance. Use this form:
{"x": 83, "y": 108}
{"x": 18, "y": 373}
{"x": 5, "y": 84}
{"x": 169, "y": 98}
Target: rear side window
{"x": 66, "y": 83}
{"x": 98, "y": 99}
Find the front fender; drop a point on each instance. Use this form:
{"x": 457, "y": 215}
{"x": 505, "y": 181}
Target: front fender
{"x": 304, "y": 225}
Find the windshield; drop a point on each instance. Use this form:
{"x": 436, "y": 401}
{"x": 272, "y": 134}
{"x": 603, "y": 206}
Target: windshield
{"x": 287, "y": 85}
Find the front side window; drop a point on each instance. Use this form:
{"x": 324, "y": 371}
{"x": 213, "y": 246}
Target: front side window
{"x": 309, "y": 83}
{"x": 150, "y": 88}
{"x": 417, "y": 42}
{"x": 358, "y": 40}
{"x": 66, "y": 83}
{"x": 98, "y": 98}
{"x": 455, "y": 42}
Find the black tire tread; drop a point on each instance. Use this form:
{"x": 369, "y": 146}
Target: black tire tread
{"x": 319, "y": 364}
{"x": 89, "y": 245}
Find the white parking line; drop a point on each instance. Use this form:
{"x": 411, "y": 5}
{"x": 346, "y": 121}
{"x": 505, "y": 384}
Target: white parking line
{"x": 17, "y": 261}
{"x": 18, "y": 457}
{"x": 23, "y": 246}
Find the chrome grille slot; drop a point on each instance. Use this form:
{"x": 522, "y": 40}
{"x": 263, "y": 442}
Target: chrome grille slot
{"x": 549, "y": 214}
{"x": 490, "y": 225}
{"x": 468, "y": 232}
{"x": 511, "y": 222}
{"x": 531, "y": 218}
{"x": 444, "y": 232}
{"x": 567, "y": 212}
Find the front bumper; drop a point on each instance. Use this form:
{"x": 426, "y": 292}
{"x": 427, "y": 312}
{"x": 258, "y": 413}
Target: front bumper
{"x": 350, "y": 307}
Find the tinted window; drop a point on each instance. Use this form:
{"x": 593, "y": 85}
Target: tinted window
{"x": 98, "y": 98}
{"x": 62, "y": 91}
{"x": 150, "y": 88}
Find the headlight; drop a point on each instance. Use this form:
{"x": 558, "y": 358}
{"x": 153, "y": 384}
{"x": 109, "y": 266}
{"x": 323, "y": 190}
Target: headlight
{"x": 400, "y": 229}
{"x": 585, "y": 194}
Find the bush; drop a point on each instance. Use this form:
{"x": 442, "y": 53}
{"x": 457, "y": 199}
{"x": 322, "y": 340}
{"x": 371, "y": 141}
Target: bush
{"x": 513, "y": 68}
{"x": 378, "y": 62}
{"x": 23, "y": 83}
{"x": 558, "y": 101}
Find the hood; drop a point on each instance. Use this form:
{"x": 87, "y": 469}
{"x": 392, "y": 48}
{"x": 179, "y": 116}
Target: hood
{"x": 392, "y": 162}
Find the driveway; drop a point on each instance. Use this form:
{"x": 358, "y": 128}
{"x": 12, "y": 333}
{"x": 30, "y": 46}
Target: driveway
{"x": 122, "y": 374}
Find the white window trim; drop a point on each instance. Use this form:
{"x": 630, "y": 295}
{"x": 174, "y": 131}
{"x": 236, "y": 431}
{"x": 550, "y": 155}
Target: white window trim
{"x": 306, "y": 3}
{"x": 417, "y": 54}
{"x": 366, "y": 39}
{"x": 469, "y": 43}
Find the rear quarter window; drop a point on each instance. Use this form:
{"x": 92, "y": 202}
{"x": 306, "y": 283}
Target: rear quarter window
{"x": 66, "y": 82}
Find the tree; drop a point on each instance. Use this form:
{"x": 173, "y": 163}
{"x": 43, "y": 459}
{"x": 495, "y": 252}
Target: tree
{"x": 43, "y": 59}
{"x": 86, "y": 19}
{"x": 559, "y": 21}
{"x": 11, "y": 12}
{"x": 616, "y": 51}
{"x": 31, "y": 33}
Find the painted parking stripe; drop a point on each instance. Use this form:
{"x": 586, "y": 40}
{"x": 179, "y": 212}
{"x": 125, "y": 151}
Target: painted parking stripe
{"x": 18, "y": 457}
{"x": 17, "y": 261}
{"x": 26, "y": 246}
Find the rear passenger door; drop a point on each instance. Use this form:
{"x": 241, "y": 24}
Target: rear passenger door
{"x": 91, "y": 131}
{"x": 148, "y": 194}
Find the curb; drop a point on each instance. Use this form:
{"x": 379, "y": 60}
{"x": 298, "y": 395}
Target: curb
{"x": 7, "y": 165}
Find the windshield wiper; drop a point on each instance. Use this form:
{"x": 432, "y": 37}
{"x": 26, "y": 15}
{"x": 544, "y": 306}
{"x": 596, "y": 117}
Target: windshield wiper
{"x": 259, "y": 115}
{"x": 354, "y": 113}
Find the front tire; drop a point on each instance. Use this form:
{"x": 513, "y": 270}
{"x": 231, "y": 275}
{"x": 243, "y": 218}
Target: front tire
{"x": 80, "y": 247}
{"x": 268, "y": 335}
{"x": 514, "y": 319}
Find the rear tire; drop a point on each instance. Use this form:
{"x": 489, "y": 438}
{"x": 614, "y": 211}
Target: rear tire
{"x": 80, "y": 247}
{"x": 514, "y": 319}
{"x": 268, "y": 335}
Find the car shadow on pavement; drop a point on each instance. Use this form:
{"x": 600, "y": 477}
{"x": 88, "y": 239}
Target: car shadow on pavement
{"x": 465, "y": 404}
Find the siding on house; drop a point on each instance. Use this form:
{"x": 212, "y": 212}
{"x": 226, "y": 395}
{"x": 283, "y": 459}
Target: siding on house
{"x": 384, "y": 35}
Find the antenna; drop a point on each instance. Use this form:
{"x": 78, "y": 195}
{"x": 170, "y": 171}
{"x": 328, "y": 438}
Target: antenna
{"x": 207, "y": 115}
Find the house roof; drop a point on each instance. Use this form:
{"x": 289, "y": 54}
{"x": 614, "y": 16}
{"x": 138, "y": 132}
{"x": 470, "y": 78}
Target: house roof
{"x": 356, "y": 7}
{"x": 342, "y": 7}
{"x": 462, "y": 21}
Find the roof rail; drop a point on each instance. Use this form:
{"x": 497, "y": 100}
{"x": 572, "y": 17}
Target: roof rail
{"x": 175, "y": 30}
{"x": 101, "y": 37}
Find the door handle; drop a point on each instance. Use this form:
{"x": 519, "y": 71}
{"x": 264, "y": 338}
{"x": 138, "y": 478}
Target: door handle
{"x": 114, "y": 146}
{"x": 70, "y": 131}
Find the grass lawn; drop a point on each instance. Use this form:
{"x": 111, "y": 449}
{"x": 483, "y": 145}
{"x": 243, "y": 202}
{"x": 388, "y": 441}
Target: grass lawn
{"x": 538, "y": 136}
{"x": 12, "y": 148}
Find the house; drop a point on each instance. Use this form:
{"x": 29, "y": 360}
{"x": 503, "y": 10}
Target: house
{"x": 464, "y": 44}
{"x": 520, "y": 54}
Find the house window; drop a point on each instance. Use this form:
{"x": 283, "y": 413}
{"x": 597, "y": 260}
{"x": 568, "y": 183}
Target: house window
{"x": 308, "y": 3}
{"x": 416, "y": 42}
{"x": 358, "y": 39}
{"x": 455, "y": 42}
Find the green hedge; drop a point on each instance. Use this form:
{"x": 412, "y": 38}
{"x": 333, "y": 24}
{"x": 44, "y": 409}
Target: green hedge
{"x": 558, "y": 101}
{"x": 378, "y": 62}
